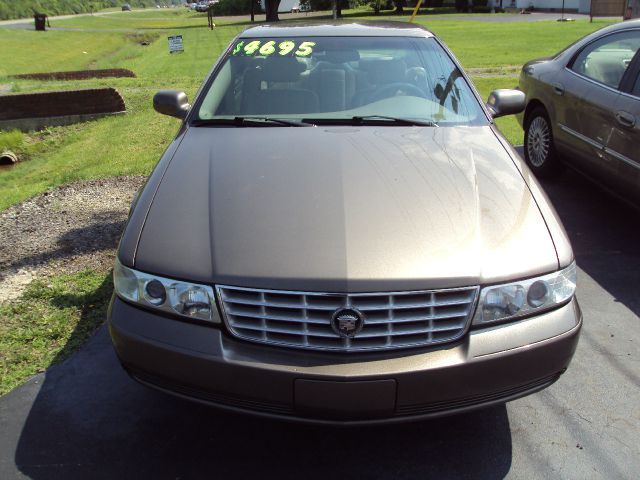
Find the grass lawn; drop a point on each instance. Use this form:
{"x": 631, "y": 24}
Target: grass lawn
{"x": 48, "y": 322}
{"x": 25, "y": 51}
{"x": 54, "y": 317}
{"x": 138, "y": 19}
{"x": 484, "y": 44}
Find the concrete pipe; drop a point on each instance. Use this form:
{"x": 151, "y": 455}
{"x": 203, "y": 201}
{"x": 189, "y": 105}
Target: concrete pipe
{"x": 8, "y": 158}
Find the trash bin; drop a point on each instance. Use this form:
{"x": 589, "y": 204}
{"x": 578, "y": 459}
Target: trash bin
{"x": 41, "y": 21}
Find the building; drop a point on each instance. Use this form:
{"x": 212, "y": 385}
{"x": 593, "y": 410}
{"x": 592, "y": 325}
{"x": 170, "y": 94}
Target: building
{"x": 580, "y": 6}
{"x": 632, "y": 10}
{"x": 285, "y": 5}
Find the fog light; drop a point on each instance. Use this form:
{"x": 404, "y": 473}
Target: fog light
{"x": 538, "y": 294}
{"x": 154, "y": 292}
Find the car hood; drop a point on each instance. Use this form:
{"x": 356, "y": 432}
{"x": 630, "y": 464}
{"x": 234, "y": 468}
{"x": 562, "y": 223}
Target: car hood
{"x": 344, "y": 209}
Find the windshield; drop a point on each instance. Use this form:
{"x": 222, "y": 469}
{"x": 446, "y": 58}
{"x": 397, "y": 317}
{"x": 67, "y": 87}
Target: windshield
{"x": 338, "y": 79}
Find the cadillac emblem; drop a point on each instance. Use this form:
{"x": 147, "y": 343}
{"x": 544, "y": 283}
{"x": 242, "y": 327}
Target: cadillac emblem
{"x": 346, "y": 322}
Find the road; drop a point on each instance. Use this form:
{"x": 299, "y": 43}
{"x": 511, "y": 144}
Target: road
{"x": 27, "y": 23}
{"x": 85, "y": 418}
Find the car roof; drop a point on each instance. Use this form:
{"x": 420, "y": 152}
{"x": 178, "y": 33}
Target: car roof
{"x": 616, "y": 27}
{"x": 635, "y": 23}
{"x": 626, "y": 25}
{"x": 337, "y": 29}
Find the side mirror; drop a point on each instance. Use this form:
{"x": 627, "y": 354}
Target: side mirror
{"x": 505, "y": 102}
{"x": 172, "y": 103}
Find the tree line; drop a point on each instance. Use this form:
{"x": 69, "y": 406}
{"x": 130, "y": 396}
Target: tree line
{"x": 25, "y": 8}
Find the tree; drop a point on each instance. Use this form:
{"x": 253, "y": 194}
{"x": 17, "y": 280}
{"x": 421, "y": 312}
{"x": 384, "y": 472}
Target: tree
{"x": 271, "y": 9}
{"x": 319, "y": 5}
{"x": 399, "y": 4}
{"x": 340, "y": 4}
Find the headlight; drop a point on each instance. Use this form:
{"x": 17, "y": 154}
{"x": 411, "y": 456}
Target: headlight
{"x": 518, "y": 299}
{"x": 189, "y": 300}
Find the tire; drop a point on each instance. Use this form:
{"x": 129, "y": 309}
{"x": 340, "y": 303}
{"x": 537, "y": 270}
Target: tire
{"x": 539, "y": 150}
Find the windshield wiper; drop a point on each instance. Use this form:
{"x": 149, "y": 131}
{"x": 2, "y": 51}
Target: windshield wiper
{"x": 281, "y": 121}
{"x": 357, "y": 120}
{"x": 250, "y": 121}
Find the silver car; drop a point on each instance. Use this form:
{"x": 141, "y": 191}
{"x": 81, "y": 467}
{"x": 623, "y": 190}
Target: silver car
{"x": 583, "y": 110}
{"x": 339, "y": 233}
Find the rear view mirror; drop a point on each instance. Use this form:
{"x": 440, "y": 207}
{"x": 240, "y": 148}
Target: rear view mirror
{"x": 439, "y": 91}
{"x": 505, "y": 102}
{"x": 172, "y": 103}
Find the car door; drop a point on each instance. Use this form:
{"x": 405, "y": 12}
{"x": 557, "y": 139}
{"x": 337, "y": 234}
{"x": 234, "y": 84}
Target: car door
{"x": 598, "y": 70}
{"x": 624, "y": 145}
{"x": 568, "y": 91}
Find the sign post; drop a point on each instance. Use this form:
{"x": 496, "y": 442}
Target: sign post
{"x": 415, "y": 10}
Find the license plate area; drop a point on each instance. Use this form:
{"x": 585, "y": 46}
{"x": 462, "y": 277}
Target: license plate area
{"x": 345, "y": 400}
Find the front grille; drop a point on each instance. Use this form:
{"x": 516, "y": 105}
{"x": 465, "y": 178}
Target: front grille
{"x": 390, "y": 320}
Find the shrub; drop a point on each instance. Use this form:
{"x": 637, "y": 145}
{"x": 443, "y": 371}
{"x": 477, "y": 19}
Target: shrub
{"x": 235, "y": 7}
{"x": 25, "y": 8}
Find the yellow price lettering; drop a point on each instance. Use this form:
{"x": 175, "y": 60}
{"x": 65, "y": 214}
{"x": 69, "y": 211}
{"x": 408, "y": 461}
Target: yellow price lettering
{"x": 286, "y": 47}
{"x": 305, "y": 49}
{"x": 251, "y": 47}
{"x": 237, "y": 48}
{"x": 268, "y": 48}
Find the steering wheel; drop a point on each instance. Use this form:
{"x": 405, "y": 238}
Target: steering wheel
{"x": 391, "y": 90}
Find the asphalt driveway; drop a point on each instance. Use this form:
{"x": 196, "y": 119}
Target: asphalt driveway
{"x": 84, "y": 418}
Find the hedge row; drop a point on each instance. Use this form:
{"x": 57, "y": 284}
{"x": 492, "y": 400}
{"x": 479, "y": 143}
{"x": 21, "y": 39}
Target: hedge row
{"x": 26, "y": 8}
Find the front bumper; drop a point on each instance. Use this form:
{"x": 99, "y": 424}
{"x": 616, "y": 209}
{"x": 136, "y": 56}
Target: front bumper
{"x": 489, "y": 365}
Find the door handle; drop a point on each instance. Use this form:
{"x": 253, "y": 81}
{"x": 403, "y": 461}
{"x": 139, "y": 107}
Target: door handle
{"x": 558, "y": 89}
{"x": 625, "y": 119}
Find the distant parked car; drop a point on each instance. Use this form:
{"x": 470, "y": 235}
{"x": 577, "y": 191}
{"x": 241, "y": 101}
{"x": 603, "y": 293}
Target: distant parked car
{"x": 583, "y": 110}
{"x": 202, "y": 7}
{"x": 300, "y": 7}
{"x": 126, "y": 7}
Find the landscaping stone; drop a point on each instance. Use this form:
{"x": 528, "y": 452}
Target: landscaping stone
{"x": 78, "y": 74}
{"x": 64, "y": 230}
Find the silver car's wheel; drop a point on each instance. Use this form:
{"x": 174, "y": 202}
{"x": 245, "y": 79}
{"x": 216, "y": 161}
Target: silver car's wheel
{"x": 539, "y": 141}
{"x": 539, "y": 151}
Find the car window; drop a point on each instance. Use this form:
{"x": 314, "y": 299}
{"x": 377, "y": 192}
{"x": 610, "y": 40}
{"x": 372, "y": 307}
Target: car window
{"x": 607, "y": 59}
{"x": 327, "y": 78}
{"x": 636, "y": 87}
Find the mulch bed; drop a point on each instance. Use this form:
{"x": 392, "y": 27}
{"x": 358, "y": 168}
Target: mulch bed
{"x": 78, "y": 74}
{"x": 62, "y": 103}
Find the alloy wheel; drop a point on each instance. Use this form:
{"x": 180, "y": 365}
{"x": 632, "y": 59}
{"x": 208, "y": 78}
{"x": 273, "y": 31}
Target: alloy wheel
{"x": 538, "y": 141}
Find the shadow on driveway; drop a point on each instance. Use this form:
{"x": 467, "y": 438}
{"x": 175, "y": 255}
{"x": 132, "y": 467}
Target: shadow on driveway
{"x": 604, "y": 233}
{"x": 89, "y": 420}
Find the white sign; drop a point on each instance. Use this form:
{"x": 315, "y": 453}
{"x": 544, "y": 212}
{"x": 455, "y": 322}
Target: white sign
{"x": 175, "y": 44}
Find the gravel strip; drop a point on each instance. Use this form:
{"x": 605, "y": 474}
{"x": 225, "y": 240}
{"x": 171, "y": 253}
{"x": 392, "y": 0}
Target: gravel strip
{"x": 64, "y": 230}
